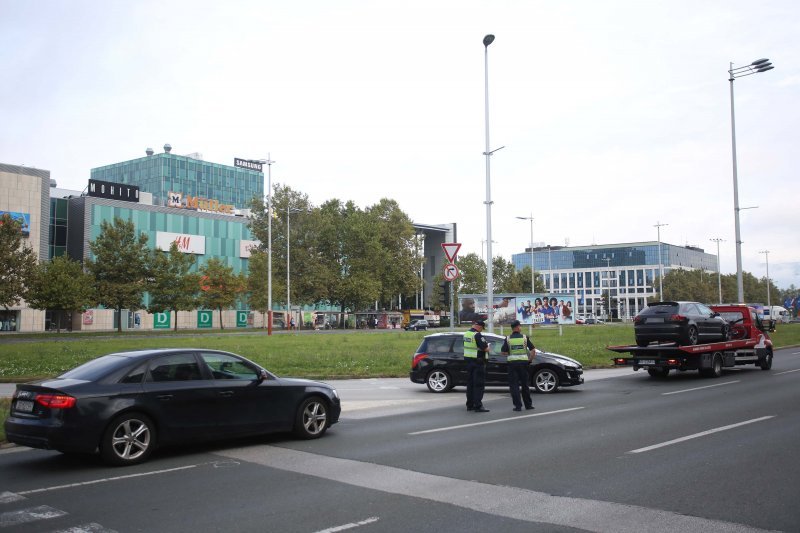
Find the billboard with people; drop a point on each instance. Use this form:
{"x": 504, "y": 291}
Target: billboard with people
{"x": 527, "y": 308}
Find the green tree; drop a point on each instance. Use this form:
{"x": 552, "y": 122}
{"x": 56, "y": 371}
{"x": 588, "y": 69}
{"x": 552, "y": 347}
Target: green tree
{"x": 172, "y": 286}
{"x": 120, "y": 266}
{"x": 221, "y": 287}
{"x": 17, "y": 262}
{"x": 257, "y": 282}
{"x": 61, "y": 285}
{"x": 473, "y": 274}
{"x": 505, "y": 277}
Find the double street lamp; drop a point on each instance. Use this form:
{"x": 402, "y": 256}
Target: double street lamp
{"x": 756, "y": 67}
{"x": 533, "y": 277}
{"x": 660, "y": 263}
{"x": 289, "y": 211}
{"x": 487, "y": 40}
{"x": 769, "y": 303}
{"x": 268, "y": 161}
{"x": 719, "y": 274}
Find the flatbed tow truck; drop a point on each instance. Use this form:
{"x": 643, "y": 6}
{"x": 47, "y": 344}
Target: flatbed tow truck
{"x": 750, "y": 345}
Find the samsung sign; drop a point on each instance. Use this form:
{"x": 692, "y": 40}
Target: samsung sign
{"x": 113, "y": 191}
{"x": 246, "y": 163}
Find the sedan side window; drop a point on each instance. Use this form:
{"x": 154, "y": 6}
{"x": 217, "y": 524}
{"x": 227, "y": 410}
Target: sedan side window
{"x": 178, "y": 367}
{"x": 224, "y": 366}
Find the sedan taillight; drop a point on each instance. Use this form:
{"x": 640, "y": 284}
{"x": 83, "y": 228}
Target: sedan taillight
{"x": 417, "y": 358}
{"x": 55, "y": 401}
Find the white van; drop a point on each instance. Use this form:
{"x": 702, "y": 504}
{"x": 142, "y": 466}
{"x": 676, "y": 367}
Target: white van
{"x": 777, "y": 313}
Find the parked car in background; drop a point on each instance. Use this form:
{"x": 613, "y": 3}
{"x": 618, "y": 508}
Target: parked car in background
{"x": 685, "y": 323}
{"x": 417, "y": 325}
{"x": 439, "y": 363}
{"x": 126, "y": 404}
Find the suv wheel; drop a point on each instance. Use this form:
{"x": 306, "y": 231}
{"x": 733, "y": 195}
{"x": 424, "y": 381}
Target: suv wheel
{"x": 691, "y": 336}
{"x": 439, "y": 381}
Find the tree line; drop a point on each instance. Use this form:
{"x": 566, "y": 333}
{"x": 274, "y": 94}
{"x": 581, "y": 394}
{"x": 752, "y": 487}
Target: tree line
{"x": 341, "y": 254}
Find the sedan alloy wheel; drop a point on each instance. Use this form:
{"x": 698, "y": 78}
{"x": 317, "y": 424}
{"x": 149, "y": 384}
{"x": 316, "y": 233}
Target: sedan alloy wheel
{"x": 545, "y": 381}
{"x": 312, "y": 419}
{"x": 439, "y": 381}
{"x": 128, "y": 440}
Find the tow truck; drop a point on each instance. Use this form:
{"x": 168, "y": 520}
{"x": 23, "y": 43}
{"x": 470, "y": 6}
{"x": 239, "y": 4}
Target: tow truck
{"x": 749, "y": 345}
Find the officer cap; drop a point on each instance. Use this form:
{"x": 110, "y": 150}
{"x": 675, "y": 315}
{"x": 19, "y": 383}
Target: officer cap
{"x": 514, "y": 324}
{"x": 480, "y": 323}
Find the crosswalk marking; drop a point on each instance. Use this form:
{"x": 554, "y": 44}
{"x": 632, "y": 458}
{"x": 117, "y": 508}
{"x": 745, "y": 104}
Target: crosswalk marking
{"x": 32, "y": 514}
{"x": 86, "y": 528}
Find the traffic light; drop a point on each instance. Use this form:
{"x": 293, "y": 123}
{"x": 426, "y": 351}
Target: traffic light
{"x": 444, "y": 293}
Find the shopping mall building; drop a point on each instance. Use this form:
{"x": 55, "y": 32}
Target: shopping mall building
{"x": 200, "y": 205}
{"x": 624, "y": 272}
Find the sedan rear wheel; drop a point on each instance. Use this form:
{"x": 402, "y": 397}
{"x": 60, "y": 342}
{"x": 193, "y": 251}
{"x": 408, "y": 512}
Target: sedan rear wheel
{"x": 545, "y": 381}
{"x": 312, "y": 418}
{"x": 128, "y": 440}
{"x": 439, "y": 381}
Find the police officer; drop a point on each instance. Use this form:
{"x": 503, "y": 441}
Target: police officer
{"x": 520, "y": 351}
{"x": 475, "y": 353}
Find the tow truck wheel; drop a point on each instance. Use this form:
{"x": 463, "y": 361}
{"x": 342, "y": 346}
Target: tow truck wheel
{"x": 658, "y": 372}
{"x": 716, "y": 367}
{"x": 766, "y": 362}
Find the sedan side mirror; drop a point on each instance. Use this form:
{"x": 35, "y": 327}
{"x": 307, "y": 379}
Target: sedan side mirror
{"x": 262, "y": 375}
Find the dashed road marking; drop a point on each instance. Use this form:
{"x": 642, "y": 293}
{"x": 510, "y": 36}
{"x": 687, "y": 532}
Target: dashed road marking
{"x": 495, "y": 421}
{"x": 105, "y": 480}
{"x": 699, "y": 388}
{"x": 701, "y": 434}
{"x": 786, "y": 372}
{"x": 370, "y": 520}
{"x": 87, "y": 528}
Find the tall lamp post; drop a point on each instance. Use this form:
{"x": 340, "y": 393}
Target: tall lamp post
{"x": 487, "y": 40}
{"x": 660, "y": 263}
{"x": 533, "y": 277}
{"x": 719, "y": 274}
{"x": 757, "y": 66}
{"x": 268, "y": 161}
{"x": 769, "y": 303}
{"x": 550, "y": 269}
{"x": 289, "y": 211}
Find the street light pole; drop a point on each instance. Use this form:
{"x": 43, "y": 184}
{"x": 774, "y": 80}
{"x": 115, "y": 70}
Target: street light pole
{"x": 289, "y": 211}
{"x": 719, "y": 274}
{"x": 487, "y": 40}
{"x": 533, "y": 277}
{"x": 268, "y": 161}
{"x": 769, "y": 303}
{"x": 549, "y": 269}
{"x": 660, "y": 263}
{"x": 757, "y": 66}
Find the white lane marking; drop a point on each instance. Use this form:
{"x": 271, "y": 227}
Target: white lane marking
{"x": 795, "y": 353}
{"x": 370, "y": 520}
{"x": 32, "y": 514}
{"x": 105, "y": 480}
{"x": 701, "y": 434}
{"x": 8, "y": 497}
{"x": 495, "y": 500}
{"x": 485, "y": 422}
{"x": 699, "y": 388}
{"x": 786, "y": 372}
{"x": 87, "y": 528}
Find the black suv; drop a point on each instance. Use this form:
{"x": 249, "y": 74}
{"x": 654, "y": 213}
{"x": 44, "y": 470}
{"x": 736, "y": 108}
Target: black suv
{"x": 439, "y": 363}
{"x": 416, "y": 325}
{"x": 685, "y": 323}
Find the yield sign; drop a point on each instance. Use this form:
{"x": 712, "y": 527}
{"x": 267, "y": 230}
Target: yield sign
{"x": 451, "y": 250}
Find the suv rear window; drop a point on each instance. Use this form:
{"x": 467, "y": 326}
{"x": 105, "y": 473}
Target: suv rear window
{"x": 659, "y": 309}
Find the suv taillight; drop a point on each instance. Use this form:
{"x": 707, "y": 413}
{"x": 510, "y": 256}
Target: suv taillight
{"x": 637, "y": 319}
{"x": 55, "y": 401}
{"x": 677, "y": 318}
{"x": 417, "y": 358}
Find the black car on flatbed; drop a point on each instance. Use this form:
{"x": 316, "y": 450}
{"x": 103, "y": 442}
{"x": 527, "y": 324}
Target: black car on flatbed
{"x": 439, "y": 363}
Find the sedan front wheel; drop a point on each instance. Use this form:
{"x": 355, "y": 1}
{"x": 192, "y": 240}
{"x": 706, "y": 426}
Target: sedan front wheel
{"x": 312, "y": 419}
{"x": 439, "y": 381}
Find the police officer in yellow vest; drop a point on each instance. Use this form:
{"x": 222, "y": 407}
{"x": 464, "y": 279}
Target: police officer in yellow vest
{"x": 475, "y": 355}
{"x": 520, "y": 352}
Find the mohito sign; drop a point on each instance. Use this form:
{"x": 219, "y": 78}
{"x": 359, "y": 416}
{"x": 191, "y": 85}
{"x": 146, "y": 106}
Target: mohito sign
{"x": 113, "y": 191}
{"x": 176, "y": 199}
{"x": 188, "y": 244}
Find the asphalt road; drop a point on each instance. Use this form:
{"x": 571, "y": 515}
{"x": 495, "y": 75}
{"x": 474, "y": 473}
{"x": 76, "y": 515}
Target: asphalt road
{"x": 624, "y": 452}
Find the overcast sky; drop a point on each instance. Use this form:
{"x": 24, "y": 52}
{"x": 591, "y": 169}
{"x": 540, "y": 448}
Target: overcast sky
{"x": 613, "y": 115}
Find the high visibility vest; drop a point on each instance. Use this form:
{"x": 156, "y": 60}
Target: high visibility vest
{"x": 470, "y": 346}
{"x": 517, "y": 348}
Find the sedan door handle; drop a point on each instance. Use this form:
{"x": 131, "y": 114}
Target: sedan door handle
{"x": 165, "y": 397}
{"x": 226, "y": 393}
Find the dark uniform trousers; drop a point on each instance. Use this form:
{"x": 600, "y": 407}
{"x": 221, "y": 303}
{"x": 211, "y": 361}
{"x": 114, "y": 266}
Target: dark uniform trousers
{"x": 518, "y": 379}
{"x": 476, "y": 381}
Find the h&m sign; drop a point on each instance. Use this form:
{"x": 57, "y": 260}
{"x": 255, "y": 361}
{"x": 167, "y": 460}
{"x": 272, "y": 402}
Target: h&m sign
{"x": 188, "y": 244}
{"x": 113, "y": 191}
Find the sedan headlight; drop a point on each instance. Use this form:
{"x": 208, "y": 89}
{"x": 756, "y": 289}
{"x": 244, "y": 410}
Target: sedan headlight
{"x": 335, "y": 393}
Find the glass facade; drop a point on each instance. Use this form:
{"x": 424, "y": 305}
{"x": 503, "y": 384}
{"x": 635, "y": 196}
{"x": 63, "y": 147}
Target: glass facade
{"x": 222, "y": 236}
{"x": 58, "y": 227}
{"x": 160, "y": 174}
